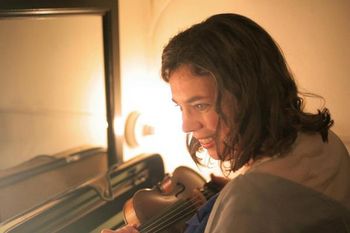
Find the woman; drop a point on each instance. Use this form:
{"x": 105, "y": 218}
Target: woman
{"x": 240, "y": 103}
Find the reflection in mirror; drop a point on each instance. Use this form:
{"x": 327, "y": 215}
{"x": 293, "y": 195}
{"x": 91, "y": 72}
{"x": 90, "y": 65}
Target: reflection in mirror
{"x": 52, "y": 86}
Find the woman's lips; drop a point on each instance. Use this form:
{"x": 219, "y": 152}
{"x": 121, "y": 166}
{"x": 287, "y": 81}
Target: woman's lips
{"x": 207, "y": 142}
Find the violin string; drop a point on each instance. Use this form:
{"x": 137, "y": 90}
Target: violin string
{"x": 185, "y": 207}
{"x": 169, "y": 220}
{"x": 174, "y": 208}
{"x": 159, "y": 220}
{"x": 181, "y": 205}
{"x": 188, "y": 211}
{"x": 172, "y": 221}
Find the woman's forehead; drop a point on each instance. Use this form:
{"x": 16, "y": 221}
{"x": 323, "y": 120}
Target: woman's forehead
{"x": 184, "y": 83}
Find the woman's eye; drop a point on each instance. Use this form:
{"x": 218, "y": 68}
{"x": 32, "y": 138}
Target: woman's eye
{"x": 201, "y": 107}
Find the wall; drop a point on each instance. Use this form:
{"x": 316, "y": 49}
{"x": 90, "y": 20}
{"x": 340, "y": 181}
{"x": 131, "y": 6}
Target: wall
{"x": 313, "y": 35}
{"x": 142, "y": 88}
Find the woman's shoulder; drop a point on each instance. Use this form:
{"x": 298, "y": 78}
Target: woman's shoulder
{"x": 258, "y": 202}
{"x": 259, "y": 190}
{"x": 336, "y": 143}
{"x": 321, "y": 166}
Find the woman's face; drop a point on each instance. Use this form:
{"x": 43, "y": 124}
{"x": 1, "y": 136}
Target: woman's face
{"x": 195, "y": 95}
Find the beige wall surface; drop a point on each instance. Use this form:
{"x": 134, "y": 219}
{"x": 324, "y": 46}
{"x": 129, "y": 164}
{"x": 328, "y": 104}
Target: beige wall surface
{"x": 313, "y": 35}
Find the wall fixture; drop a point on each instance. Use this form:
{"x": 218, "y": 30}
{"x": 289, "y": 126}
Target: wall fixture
{"x": 137, "y": 129}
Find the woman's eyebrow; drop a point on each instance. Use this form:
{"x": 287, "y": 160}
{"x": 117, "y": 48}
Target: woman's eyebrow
{"x": 192, "y": 99}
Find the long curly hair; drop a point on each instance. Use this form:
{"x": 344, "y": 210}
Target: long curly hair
{"x": 247, "y": 63}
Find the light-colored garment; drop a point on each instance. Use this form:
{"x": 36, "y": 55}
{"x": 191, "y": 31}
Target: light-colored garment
{"x": 306, "y": 190}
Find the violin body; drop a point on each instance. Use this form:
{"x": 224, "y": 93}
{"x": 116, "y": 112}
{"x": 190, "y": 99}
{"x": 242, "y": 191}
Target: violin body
{"x": 167, "y": 206}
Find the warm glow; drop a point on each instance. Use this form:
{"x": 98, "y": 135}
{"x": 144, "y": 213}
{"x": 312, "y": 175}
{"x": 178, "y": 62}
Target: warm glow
{"x": 118, "y": 125}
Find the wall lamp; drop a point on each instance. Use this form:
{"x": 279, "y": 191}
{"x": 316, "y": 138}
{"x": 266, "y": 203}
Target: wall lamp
{"x": 137, "y": 129}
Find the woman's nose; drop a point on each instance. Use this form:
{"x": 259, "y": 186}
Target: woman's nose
{"x": 190, "y": 123}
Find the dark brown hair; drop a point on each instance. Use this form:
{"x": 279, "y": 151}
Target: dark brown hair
{"x": 245, "y": 62}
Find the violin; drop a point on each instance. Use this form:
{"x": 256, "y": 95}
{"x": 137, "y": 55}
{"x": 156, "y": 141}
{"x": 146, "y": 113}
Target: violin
{"x": 167, "y": 206}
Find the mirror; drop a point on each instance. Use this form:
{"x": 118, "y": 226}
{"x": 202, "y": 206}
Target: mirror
{"x": 59, "y": 75}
